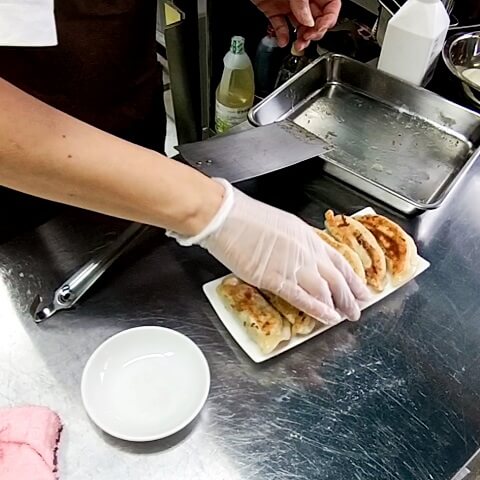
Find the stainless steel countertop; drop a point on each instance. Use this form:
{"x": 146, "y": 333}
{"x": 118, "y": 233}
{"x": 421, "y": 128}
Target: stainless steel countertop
{"x": 394, "y": 396}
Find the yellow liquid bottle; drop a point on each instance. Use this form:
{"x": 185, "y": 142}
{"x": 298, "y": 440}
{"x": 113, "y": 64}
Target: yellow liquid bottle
{"x": 234, "y": 96}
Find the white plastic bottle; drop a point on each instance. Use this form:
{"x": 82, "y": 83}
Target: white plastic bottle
{"x": 235, "y": 93}
{"x": 414, "y": 39}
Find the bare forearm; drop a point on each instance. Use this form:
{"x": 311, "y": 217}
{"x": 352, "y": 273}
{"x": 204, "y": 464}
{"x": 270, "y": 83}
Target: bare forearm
{"x": 49, "y": 154}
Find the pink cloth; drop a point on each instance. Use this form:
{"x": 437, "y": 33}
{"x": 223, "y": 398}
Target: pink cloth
{"x": 28, "y": 442}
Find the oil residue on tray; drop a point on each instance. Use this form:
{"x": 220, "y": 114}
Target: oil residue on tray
{"x": 387, "y": 145}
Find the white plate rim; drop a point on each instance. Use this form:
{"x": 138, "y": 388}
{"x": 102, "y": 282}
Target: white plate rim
{"x": 146, "y": 438}
{"x": 253, "y": 351}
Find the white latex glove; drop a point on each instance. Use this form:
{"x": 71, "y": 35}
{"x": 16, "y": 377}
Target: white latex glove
{"x": 276, "y": 251}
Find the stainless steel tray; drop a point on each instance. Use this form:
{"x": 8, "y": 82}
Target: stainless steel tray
{"x": 401, "y": 144}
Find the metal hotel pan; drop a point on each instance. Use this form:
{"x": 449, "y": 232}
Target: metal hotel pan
{"x": 399, "y": 143}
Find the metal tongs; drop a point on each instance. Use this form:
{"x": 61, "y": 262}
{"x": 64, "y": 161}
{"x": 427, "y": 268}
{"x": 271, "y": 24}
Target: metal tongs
{"x": 70, "y": 292}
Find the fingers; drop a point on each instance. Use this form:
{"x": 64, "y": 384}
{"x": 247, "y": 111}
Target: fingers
{"x": 329, "y": 14}
{"x": 314, "y": 37}
{"x": 275, "y": 11}
{"x": 329, "y": 10}
{"x": 322, "y": 25}
{"x": 332, "y": 10}
{"x": 293, "y": 21}
{"x": 308, "y": 292}
{"x": 301, "y": 43}
{"x": 280, "y": 26}
{"x": 343, "y": 297}
{"x": 325, "y": 16}
{"x": 301, "y": 11}
{"x": 308, "y": 304}
{"x": 311, "y": 282}
{"x": 355, "y": 283}
{"x": 306, "y": 35}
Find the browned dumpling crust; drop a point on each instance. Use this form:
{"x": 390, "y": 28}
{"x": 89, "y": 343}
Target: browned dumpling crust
{"x": 399, "y": 248}
{"x": 265, "y": 325}
{"x": 352, "y": 233}
{"x": 348, "y": 253}
{"x": 302, "y": 324}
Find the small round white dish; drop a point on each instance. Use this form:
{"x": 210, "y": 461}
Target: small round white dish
{"x": 145, "y": 383}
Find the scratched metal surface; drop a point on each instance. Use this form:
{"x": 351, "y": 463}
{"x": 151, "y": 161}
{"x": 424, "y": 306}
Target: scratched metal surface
{"x": 394, "y": 396}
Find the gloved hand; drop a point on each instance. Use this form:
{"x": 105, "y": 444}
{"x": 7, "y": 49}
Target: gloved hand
{"x": 278, "y": 252}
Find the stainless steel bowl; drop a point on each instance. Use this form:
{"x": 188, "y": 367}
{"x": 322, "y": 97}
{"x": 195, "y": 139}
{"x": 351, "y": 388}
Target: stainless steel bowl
{"x": 461, "y": 53}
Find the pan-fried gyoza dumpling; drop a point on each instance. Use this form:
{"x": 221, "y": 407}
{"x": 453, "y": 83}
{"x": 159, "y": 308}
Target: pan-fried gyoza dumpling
{"x": 264, "y": 324}
{"x": 350, "y": 256}
{"x": 302, "y": 324}
{"x": 399, "y": 248}
{"x": 352, "y": 233}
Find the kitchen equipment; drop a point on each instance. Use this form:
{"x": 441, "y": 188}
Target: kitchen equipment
{"x": 240, "y": 335}
{"x": 252, "y": 152}
{"x": 145, "y": 383}
{"x": 70, "y": 292}
{"x": 461, "y": 55}
{"x": 401, "y": 144}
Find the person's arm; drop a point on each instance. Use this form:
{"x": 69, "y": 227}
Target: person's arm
{"x": 49, "y": 154}
{"x": 52, "y": 155}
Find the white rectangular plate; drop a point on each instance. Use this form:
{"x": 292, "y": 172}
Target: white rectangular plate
{"x": 240, "y": 335}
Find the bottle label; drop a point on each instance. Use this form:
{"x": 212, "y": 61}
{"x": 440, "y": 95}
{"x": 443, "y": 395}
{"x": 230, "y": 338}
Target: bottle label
{"x": 226, "y": 118}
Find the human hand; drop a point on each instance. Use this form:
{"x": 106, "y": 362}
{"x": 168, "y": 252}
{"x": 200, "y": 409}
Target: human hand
{"x": 278, "y": 252}
{"x": 325, "y": 13}
{"x": 311, "y": 18}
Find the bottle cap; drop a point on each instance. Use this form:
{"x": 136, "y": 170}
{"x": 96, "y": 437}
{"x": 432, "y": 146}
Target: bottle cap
{"x": 238, "y": 45}
{"x": 296, "y": 53}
